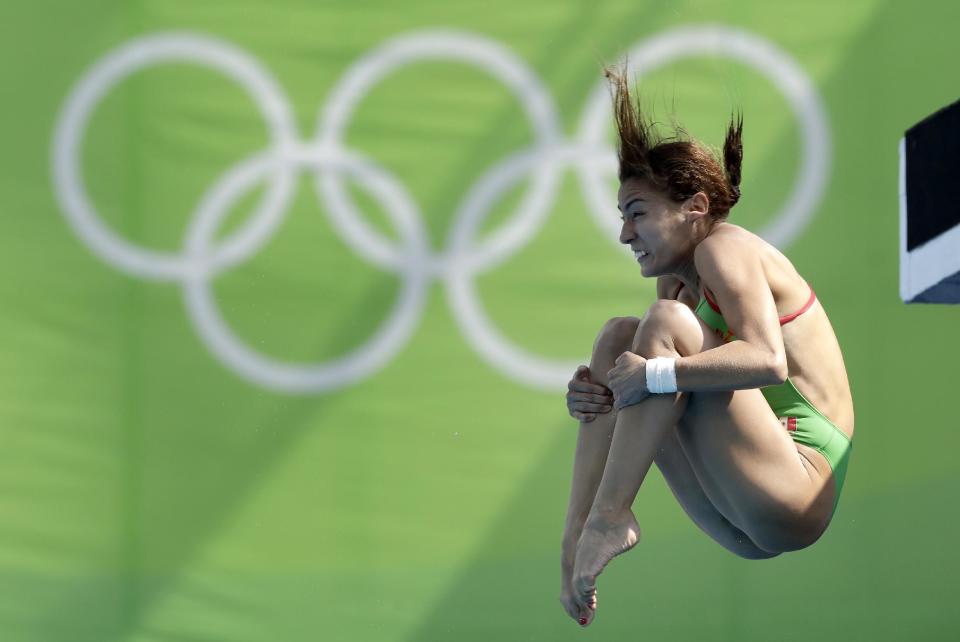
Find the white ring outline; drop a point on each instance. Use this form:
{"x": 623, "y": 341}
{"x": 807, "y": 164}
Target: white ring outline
{"x": 74, "y": 117}
{"x": 420, "y": 46}
{"x": 289, "y": 377}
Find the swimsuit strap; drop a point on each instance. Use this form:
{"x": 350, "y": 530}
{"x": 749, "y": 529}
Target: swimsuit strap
{"x": 791, "y": 317}
{"x": 783, "y": 320}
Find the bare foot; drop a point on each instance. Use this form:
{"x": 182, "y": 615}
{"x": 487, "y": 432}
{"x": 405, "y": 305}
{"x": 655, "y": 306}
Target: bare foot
{"x": 581, "y": 614}
{"x": 605, "y": 535}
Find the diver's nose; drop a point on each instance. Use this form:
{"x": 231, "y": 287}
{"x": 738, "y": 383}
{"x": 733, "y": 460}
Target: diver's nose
{"x": 626, "y": 233}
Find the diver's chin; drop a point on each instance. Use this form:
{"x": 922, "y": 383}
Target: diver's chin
{"x": 646, "y": 270}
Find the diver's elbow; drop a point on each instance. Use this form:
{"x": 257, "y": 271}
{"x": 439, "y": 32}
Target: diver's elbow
{"x": 778, "y": 370}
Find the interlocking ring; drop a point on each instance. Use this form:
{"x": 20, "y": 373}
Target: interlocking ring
{"x": 462, "y": 259}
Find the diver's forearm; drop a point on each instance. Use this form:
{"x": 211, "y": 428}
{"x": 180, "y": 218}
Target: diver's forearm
{"x": 733, "y": 366}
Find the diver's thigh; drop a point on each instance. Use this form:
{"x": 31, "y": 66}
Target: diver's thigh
{"x": 703, "y": 508}
{"x": 742, "y": 448}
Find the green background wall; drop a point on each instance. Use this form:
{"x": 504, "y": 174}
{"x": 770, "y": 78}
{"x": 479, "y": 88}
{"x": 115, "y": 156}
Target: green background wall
{"x": 149, "y": 492}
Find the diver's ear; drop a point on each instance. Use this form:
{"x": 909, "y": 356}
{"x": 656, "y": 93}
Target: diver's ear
{"x": 697, "y": 206}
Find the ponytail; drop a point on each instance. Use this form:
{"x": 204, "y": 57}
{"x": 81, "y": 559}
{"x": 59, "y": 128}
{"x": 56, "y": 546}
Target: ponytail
{"x": 733, "y": 156}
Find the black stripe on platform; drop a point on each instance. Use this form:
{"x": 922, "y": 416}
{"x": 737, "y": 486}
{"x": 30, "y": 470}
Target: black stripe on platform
{"x": 933, "y": 175}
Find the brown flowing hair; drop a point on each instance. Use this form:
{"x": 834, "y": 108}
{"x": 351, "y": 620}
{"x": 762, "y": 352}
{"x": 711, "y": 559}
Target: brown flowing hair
{"x": 679, "y": 165}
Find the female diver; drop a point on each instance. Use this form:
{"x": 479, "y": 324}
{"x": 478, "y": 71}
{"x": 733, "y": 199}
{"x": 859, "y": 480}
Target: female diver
{"x": 732, "y": 382}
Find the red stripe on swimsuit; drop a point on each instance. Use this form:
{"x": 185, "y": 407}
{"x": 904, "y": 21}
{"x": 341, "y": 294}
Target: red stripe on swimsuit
{"x": 783, "y": 320}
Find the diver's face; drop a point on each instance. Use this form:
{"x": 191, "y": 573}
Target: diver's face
{"x": 654, "y": 226}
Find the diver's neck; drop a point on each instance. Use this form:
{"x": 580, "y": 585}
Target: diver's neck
{"x": 689, "y": 277}
{"x": 687, "y": 270}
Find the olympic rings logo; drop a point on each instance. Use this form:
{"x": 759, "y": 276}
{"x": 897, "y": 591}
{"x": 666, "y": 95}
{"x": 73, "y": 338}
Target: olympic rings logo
{"x": 325, "y": 156}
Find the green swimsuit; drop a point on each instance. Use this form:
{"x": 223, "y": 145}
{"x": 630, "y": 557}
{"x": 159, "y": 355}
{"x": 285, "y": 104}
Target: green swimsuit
{"x": 804, "y": 423}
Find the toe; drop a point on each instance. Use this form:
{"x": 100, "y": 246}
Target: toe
{"x": 586, "y": 604}
{"x": 585, "y": 616}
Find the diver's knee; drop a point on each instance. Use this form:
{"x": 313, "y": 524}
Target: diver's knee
{"x": 665, "y": 322}
{"x": 615, "y": 337}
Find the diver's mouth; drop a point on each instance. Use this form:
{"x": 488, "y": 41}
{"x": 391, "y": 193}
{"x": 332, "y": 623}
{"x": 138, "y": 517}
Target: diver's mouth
{"x": 640, "y": 255}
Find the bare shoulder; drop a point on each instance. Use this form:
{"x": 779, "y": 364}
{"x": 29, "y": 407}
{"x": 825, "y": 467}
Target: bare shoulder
{"x": 727, "y": 237}
{"x": 728, "y": 247}
{"x": 729, "y": 241}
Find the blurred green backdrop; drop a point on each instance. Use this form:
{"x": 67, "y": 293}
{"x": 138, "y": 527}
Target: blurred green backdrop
{"x": 150, "y": 492}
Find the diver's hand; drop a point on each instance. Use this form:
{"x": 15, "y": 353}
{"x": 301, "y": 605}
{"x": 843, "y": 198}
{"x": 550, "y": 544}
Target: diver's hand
{"x": 585, "y": 399}
{"x": 628, "y": 380}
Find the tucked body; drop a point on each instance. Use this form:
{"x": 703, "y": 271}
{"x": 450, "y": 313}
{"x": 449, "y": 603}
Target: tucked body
{"x": 750, "y": 418}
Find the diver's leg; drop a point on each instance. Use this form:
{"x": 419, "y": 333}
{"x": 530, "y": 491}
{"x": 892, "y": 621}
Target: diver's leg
{"x": 611, "y": 528}
{"x": 593, "y": 438}
{"x": 590, "y": 457}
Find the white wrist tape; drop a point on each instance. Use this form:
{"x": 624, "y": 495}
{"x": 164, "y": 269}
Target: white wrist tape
{"x": 661, "y": 375}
